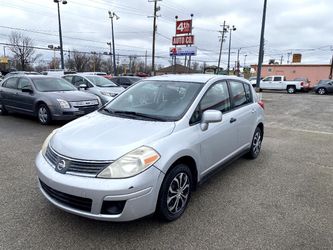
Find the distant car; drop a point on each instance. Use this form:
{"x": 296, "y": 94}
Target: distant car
{"x": 48, "y": 98}
{"x": 125, "y": 81}
{"x": 15, "y": 73}
{"x": 105, "y": 89}
{"x": 324, "y": 87}
{"x": 253, "y": 80}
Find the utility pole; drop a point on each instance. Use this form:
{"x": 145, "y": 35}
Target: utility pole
{"x": 60, "y": 32}
{"x": 154, "y": 36}
{"x": 245, "y": 60}
{"x": 222, "y": 39}
{"x": 261, "y": 48}
{"x": 289, "y": 54}
{"x": 111, "y": 16}
{"x": 146, "y": 62}
{"x": 331, "y": 70}
{"x": 238, "y": 69}
{"x": 110, "y": 56}
{"x": 230, "y": 30}
{"x": 281, "y": 60}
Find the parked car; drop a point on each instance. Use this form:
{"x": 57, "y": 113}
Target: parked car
{"x": 15, "y": 73}
{"x": 148, "y": 149}
{"x": 125, "y": 81}
{"x": 94, "y": 84}
{"x": 104, "y": 74}
{"x": 48, "y": 98}
{"x": 280, "y": 83}
{"x": 324, "y": 87}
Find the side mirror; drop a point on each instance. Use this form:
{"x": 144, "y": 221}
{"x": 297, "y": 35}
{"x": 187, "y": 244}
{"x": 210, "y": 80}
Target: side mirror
{"x": 83, "y": 86}
{"x": 210, "y": 116}
{"x": 27, "y": 89}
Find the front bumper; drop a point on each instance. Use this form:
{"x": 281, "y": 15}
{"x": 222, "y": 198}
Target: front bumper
{"x": 140, "y": 192}
{"x": 71, "y": 113}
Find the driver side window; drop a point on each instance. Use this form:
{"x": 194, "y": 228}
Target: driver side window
{"x": 23, "y": 82}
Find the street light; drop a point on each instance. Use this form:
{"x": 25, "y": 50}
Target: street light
{"x": 111, "y": 16}
{"x": 60, "y": 33}
{"x": 244, "y": 60}
{"x": 233, "y": 28}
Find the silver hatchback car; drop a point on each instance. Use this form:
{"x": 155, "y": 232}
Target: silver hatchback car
{"x": 148, "y": 149}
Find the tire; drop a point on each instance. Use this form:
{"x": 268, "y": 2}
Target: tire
{"x": 321, "y": 91}
{"x": 260, "y": 90}
{"x": 3, "y": 110}
{"x": 173, "y": 198}
{"x": 291, "y": 89}
{"x": 44, "y": 114}
{"x": 255, "y": 144}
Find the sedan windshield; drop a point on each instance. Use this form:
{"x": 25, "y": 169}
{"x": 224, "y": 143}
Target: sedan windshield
{"x": 52, "y": 84}
{"x": 100, "y": 81}
{"x": 156, "y": 100}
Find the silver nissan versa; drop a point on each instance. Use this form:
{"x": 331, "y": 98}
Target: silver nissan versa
{"x": 147, "y": 150}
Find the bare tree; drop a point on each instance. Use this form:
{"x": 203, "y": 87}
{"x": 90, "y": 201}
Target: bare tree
{"x": 22, "y": 48}
{"x": 95, "y": 62}
{"x": 80, "y": 61}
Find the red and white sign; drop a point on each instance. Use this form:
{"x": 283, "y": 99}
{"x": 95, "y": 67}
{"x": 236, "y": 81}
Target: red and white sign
{"x": 184, "y": 27}
{"x": 183, "y": 40}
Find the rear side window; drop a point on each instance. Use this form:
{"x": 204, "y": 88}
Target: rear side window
{"x": 278, "y": 79}
{"x": 11, "y": 83}
{"x": 239, "y": 95}
{"x": 68, "y": 78}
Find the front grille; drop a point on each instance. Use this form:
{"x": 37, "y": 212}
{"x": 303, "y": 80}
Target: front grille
{"x": 75, "y": 167}
{"x": 88, "y": 109}
{"x": 69, "y": 200}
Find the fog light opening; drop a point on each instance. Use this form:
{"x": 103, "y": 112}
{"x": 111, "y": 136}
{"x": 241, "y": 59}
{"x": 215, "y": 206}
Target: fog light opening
{"x": 113, "y": 207}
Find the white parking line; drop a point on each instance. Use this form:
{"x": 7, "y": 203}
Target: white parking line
{"x": 302, "y": 130}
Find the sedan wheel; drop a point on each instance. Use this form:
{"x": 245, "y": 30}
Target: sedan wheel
{"x": 44, "y": 115}
{"x": 256, "y": 144}
{"x": 321, "y": 91}
{"x": 175, "y": 193}
{"x": 3, "y": 110}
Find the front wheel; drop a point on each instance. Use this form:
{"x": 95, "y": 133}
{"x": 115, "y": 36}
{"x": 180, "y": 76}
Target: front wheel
{"x": 291, "y": 90}
{"x": 44, "y": 114}
{"x": 175, "y": 193}
{"x": 3, "y": 110}
{"x": 321, "y": 91}
{"x": 256, "y": 144}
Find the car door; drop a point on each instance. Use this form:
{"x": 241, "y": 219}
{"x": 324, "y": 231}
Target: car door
{"x": 25, "y": 101}
{"x": 218, "y": 142}
{"x": 266, "y": 83}
{"x": 244, "y": 112}
{"x": 277, "y": 82}
{"x": 8, "y": 94}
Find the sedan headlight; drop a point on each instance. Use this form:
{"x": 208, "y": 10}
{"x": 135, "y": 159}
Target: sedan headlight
{"x": 131, "y": 164}
{"x": 108, "y": 94}
{"x": 63, "y": 104}
{"x": 47, "y": 141}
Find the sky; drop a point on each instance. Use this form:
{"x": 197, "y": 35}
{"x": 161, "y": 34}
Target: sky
{"x": 297, "y": 26}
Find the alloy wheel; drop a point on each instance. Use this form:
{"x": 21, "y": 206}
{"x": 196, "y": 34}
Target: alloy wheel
{"x": 256, "y": 144}
{"x": 43, "y": 114}
{"x": 321, "y": 91}
{"x": 178, "y": 193}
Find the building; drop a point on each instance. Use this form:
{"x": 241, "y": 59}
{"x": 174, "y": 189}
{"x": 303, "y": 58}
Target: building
{"x": 314, "y": 72}
{"x": 175, "y": 69}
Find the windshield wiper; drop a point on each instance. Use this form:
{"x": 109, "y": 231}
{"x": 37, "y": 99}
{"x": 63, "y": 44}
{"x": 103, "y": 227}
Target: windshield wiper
{"x": 136, "y": 114}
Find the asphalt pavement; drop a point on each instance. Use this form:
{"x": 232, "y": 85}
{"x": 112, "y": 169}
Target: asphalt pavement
{"x": 282, "y": 200}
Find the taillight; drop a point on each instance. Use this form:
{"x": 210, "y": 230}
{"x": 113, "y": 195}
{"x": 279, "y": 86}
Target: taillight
{"x": 261, "y": 103}
{"x": 302, "y": 83}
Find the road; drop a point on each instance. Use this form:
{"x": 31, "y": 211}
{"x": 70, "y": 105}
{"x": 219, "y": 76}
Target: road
{"x": 282, "y": 200}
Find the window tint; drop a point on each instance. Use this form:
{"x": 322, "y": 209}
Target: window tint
{"x": 278, "y": 78}
{"x": 217, "y": 98}
{"x": 238, "y": 93}
{"x": 23, "y": 82}
{"x": 11, "y": 83}
{"x": 124, "y": 81}
{"x": 248, "y": 94}
{"x": 268, "y": 79}
{"x": 78, "y": 80}
{"x": 68, "y": 78}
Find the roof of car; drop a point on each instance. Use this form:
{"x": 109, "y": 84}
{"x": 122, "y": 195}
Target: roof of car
{"x": 199, "y": 78}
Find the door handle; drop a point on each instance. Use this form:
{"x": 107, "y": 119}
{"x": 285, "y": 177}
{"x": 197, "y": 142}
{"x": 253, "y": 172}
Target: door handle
{"x": 233, "y": 120}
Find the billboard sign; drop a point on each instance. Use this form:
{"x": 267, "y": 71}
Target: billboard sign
{"x": 183, "y": 51}
{"x": 183, "y": 40}
{"x": 183, "y": 27}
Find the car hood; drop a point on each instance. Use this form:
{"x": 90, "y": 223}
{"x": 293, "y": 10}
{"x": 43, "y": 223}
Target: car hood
{"x": 102, "y": 137}
{"x": 116, "y": 90}
{"x": 70, "y": 96}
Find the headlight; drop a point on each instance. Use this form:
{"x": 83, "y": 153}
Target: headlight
{"x": 63, "y": 104}
{"x": 108, "y": 94}
{"x": 131, "y": 164}
{"x": 47, "y": 140}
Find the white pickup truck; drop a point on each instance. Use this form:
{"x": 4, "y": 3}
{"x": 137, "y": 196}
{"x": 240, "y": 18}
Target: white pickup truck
{"x": 280, "y": 83}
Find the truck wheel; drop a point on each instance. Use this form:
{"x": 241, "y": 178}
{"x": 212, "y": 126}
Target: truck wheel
{"x": 291, "y": 89}
{"x": 321, "y": 91}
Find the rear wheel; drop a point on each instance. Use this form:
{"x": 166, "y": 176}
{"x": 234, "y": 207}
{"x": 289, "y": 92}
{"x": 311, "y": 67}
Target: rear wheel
{"x": 175, "y": 193}
{"x": 3, "y": 110}
{"x": 321, "y": 91}
{"x": 256, "y": 144}
{"x": 44, "y": 114}
{"x": 291, "y": 89}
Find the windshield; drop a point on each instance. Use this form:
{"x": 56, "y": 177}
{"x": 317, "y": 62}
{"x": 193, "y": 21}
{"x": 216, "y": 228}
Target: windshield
{"x": 100, "y": 81}
{"x": 162, "y": 100}
{"x": 52, "y": 84}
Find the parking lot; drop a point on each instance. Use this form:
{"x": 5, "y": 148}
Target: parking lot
{"x": 282, "y": 200}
